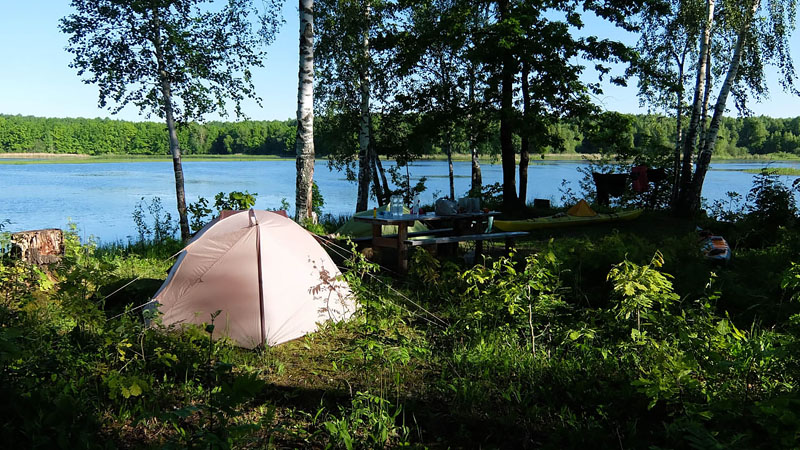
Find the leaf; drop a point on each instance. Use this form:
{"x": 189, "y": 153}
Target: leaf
{"x": 135, "y": 390}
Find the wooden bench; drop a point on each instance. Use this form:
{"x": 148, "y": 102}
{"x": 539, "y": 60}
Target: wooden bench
{"x": 433, "y": 232}
{"x": 477, "y": 238}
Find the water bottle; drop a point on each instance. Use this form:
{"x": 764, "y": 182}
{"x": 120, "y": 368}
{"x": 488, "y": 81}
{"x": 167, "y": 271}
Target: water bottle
{"x": 396, "y": 205}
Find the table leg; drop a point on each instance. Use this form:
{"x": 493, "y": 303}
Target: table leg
{"x": 377, "y": 231}
{"x": 402, "y": 251}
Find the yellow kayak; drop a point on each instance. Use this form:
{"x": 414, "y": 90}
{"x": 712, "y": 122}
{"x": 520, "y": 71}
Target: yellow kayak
{"x": 564, "y": 220}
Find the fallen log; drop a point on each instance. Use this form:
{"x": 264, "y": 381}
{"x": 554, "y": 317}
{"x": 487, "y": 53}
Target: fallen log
{"x": 38, "y": 246}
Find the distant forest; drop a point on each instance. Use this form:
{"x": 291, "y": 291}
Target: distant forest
{"x": 738, "y": 137}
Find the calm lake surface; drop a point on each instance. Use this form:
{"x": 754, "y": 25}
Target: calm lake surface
{"x": 99, "y": 198}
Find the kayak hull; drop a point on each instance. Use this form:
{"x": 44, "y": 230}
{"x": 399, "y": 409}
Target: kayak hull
{"x": 716, "y": 248}
{"x": 564, "y": 221}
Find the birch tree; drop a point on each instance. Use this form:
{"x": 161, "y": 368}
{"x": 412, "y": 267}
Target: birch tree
{"x": 304, "y": 143}
{"x": 433, "y": 69}
{"x": 345, "y": 65}
{"x": 668, "y": 43}
{"x": 749, "y": 35}
{"x": 176, "y": 59}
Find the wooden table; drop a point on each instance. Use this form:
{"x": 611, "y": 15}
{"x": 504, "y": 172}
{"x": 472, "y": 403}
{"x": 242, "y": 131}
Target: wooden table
{"x": 463, "y": 223}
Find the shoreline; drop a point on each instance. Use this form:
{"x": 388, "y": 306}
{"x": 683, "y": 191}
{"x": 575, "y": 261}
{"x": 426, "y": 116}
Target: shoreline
{"x": 73, "y": 158}
{"x": 34, "y": 155}
{"x": 66, "y": 158}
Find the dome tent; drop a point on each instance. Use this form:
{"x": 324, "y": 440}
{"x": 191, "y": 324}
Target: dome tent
{"x": 581, "y": 209}
{"x": 268, "y": 276}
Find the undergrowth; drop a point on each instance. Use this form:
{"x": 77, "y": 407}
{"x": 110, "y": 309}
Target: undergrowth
{"x": 623, "y": 338}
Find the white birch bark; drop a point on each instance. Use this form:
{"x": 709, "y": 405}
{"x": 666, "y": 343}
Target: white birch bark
{"x": 697, "y": 106}
{"x": 174, "y": 145}
{"x": 710, "y": 139}
{"x": 304, "y": 144}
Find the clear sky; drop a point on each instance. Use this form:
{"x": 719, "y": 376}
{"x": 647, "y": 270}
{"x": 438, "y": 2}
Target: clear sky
{"x": 35, "y": 78}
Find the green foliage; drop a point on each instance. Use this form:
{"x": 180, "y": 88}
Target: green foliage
{"x": 403, "y": 183}
{"x": 162, "y": 227}
{"x": 234, "y": 201}
{"x": 640, "y": 288}
{"x": 770, "y": 203}
{"x": 317, "y": 200}
{"x": 20, "y": 283}
{"x": 200, "y": 213}
{"x": 731, "y": 209}
{"x": 250, "y": 137}
{"x": 791, "y": 281}
{"x": 492, "y": 196}
{"x": 369, "y": 422}
{"x": 523, "y": 299}
{"x": 538, "y": 343}
{"x": 185, "y": 57}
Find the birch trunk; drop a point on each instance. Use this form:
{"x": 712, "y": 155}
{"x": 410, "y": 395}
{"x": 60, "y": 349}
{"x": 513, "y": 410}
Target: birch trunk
{"x": 304, "y": 144}
{"x": 699, "y": 89}
{"x": 706, "y": 99}
{"x": 364, "y": 163}
{"x": 710, "y": 140}
{"x": 524, "y": 153}
{"x": 174, "y": 145}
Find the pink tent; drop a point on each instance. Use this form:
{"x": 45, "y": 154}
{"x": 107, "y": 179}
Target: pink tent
{"x": 270, "y": 278}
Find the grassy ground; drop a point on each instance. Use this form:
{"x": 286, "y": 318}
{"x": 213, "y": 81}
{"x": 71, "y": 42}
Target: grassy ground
{"x": 778, "y": 171}
{"x": 582, "y": 336}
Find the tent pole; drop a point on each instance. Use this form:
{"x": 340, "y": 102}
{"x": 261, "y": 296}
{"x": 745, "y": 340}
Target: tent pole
{"x": 260, "y": 286}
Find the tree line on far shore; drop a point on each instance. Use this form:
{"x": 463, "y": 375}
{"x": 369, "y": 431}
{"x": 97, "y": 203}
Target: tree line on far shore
{"x": 739, "y": 137}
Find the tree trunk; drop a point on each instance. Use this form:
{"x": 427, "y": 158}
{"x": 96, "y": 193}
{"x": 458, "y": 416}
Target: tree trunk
{"x": 448, "y": 148}
{"x": 676, "y": 164}
{"x": 38, "y": 246}
{"x": 304, "y": 144}
{"x": 476, "y": 179}
{"x": 377, "y": 188}
{"x": 386, "y": 191}
{"x": 174, "y": 145}
{"x": 699, "y": 89}
{"x": 710, "y": 140}
{"x": 706, "y": 99}
{"x": 524, "y": 152}
{"x": 508, "y": 155}
{"x": 364, "y": 163}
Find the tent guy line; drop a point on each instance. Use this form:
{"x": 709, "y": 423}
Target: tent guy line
{"x": 339, "y": 251}
{"x": 443, "y": 323}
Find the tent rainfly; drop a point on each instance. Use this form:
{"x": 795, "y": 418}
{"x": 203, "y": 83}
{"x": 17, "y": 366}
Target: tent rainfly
{"x": 268, "y": 276}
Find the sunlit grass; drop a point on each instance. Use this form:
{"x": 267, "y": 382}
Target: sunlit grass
{"x": 790, "y": 171}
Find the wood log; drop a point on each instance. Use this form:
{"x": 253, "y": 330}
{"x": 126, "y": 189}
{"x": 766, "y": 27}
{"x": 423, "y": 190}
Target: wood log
{"x": 38, "y": 246}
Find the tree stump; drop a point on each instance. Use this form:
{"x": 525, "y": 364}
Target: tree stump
{"x": 38, "y": 246}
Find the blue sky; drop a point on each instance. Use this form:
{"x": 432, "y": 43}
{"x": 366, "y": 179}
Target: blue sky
{"x": 36, "y": 78}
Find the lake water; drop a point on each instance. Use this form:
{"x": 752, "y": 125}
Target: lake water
{"x": 100, "y": 197}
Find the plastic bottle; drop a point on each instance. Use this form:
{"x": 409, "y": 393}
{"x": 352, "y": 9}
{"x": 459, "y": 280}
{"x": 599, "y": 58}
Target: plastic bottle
{"x": 415, "y": 205}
